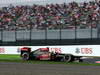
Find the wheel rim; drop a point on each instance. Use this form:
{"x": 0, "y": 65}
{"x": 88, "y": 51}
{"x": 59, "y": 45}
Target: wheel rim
{"x": 25, "y": 56}
{"x": 67, "y": 58}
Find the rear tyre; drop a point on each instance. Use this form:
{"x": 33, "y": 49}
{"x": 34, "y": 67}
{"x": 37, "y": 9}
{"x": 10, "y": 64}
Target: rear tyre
{"x": 25, "y": 56}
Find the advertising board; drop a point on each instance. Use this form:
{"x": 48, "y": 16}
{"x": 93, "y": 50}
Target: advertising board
{"x": 76, "y": 50}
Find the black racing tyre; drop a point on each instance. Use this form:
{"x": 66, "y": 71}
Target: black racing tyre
{"x": 68, "y": 58}
{"x": 25, "y": 56}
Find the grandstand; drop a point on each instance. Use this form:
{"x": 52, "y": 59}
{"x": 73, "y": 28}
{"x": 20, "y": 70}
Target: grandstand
{"x": 49, "y": 22}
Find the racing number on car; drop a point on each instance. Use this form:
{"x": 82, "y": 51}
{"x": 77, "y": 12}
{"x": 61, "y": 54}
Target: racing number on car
{"x": 2, "y": 50}
{"x": 56, "y": 50}
{"x": 86, "y": 50}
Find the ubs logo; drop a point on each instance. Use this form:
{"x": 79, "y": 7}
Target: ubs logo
{"x": 2, "y": 50}
{"x": 77, "y": 50}
{"x": 18, "y": 50}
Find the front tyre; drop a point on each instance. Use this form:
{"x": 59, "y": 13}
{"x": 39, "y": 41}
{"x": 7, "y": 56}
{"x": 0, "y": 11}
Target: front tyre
{"x": 68, "y": 58}
{"x": 25, "y": 56}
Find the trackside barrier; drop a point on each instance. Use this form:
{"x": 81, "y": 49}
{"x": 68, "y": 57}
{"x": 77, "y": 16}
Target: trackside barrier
{"x": 76, "y": 50}
{"x": 41, "y": 2}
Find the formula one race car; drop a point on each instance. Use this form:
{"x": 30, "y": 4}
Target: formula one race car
{"x": 39, "y": 54}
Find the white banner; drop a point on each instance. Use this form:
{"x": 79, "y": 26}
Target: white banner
{"x": 76, "y": 50}
{"x": 47, "y": 1}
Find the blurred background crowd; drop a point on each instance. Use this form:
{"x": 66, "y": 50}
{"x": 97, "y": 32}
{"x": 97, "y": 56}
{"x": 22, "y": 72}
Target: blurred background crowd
{"x": 50, "y": 16}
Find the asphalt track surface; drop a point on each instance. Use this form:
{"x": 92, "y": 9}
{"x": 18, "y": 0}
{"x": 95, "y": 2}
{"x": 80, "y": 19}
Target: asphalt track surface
{"x": 47, "y": 69}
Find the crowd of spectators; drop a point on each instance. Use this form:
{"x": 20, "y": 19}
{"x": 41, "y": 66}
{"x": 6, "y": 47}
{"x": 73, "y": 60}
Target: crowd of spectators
{"x": 50, "y": 16}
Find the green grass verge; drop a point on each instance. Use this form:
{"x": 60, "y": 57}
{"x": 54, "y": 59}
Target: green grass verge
{"x": 17, "y": 58}
{"x": 9, "y": 57}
